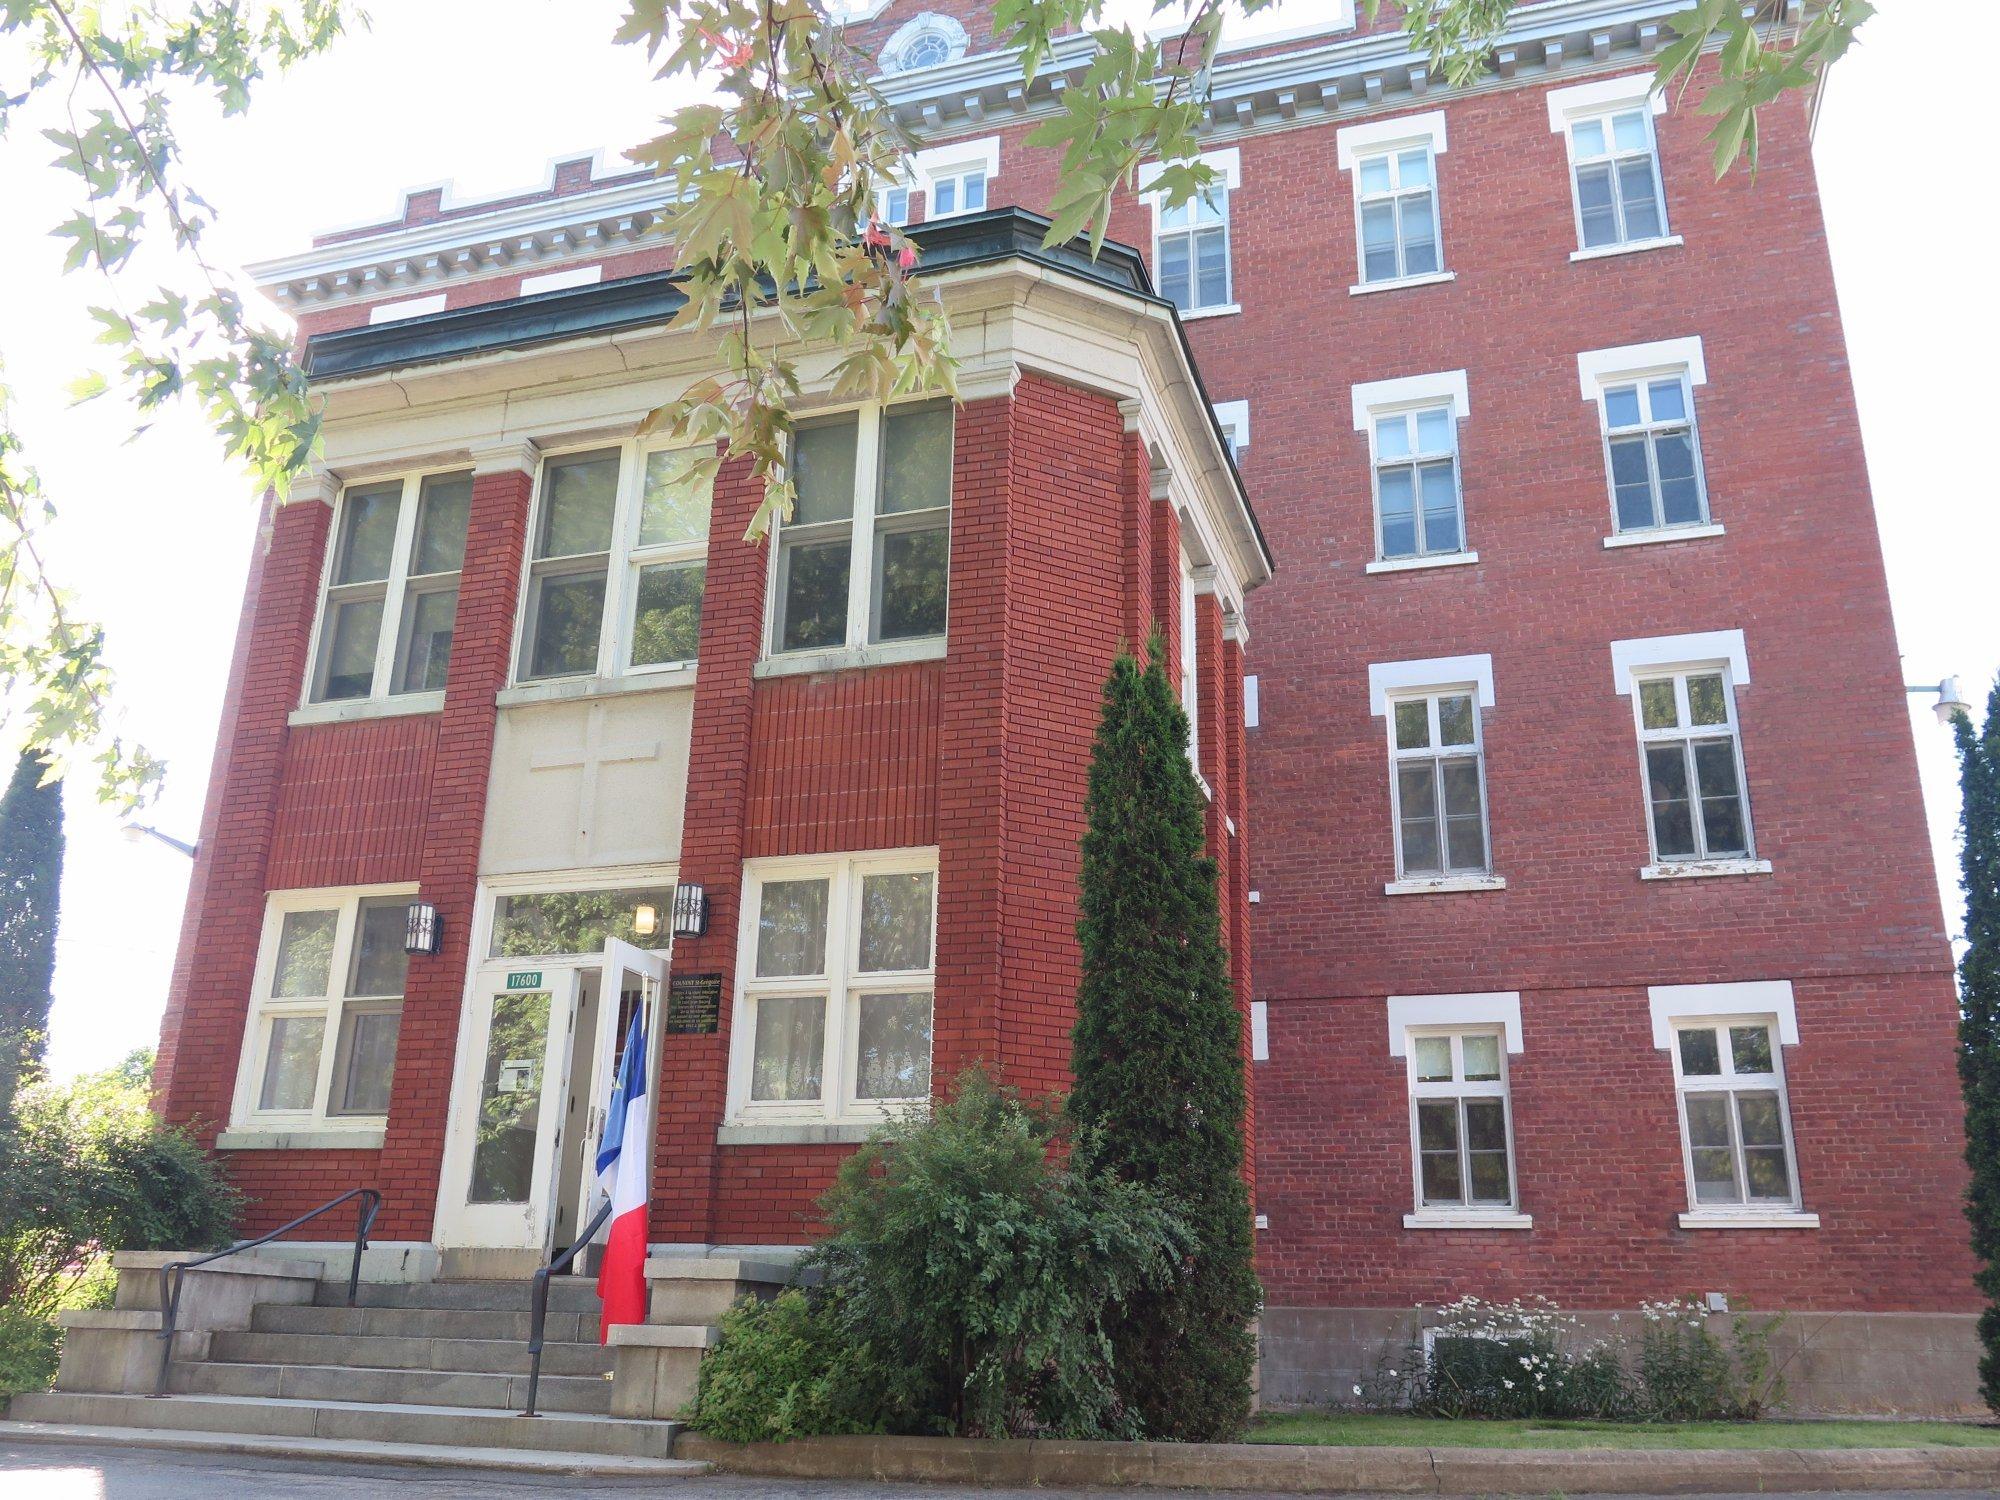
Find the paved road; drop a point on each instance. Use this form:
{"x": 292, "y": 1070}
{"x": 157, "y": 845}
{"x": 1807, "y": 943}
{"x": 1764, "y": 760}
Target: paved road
{"x": 36, "y": 1471}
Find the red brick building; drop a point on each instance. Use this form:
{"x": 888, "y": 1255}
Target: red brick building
{"x": 1596, "y": 955}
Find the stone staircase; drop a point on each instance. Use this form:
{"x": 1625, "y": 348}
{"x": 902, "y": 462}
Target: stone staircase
{"x": 430, "y": 1371}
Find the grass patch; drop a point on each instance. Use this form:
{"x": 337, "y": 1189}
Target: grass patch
{"x": 1360, "y": 1430}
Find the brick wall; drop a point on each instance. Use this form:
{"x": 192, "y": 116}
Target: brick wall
{"x": 1849, "y": 913}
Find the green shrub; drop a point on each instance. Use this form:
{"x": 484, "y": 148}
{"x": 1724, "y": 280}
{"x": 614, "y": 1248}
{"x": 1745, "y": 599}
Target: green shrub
{"x": 28, "y": 1347}
{"x": 783, "y": 1369}
{"x": 1687, "y": 1374}
{"x": 87, "y": 1168}
{"x": 973, "y": 1259}
{"x": 978, "y": 1255}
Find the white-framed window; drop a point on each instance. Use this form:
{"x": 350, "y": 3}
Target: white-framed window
{"x": 1396, "y": 214}
{"x": 1692, "y": 758}
{"x": 1461, "y": 1134}
{"x": 866, "y": 557}
{"x": 836, "y": 966}
{"x": 1190, "y": 635}
{"x": 961, "y": 190}
{"x": 1652, "y": 454}
{"x": 390, "y": 594}
{"x": 927, "y": 40}
{"x": 1233, "y": 417}
{"x": 1418, "y": 509}
{"x": 956, "y": 178}
{"x": 1644, "y": 394}
{"x": 1736, "y": 1129}
{"x": 1614, "y": 160}
{"x": 1437, "y": 784}
{"x": 892, "y": 205}
{"x": 617, "y": 560}
{"x": 1191, "y": 260}
{"x": 320, "y": 1045}
{"x": 1398, "y": 232}
{"x": 1193, "y": 254}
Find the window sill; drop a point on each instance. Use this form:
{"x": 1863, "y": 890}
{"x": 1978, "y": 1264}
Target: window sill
{"x": 1699, "y": 869}
{"x": 1467, "y": 1219}
{"x": 1412, "y": 564}
{"x": 1654, "y": 538}
{"x": 1433, "y": 278}
{"x": 349, "y": 710}
{"x": 1631, "y": 247}
{"x": 328, "y": 1138}
{"x": 1228, "y": 309}
{"x": 1444, "y": 885}
{"x": 821, "y": 1133}
{"x": 564, "y": 689}
{"x": 1753, "y": 1219}
{"x": 848, "y": 658}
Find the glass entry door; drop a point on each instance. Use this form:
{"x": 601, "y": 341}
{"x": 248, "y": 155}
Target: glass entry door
{"x": 629, "y": 981}
{"x": 540, "y": 1056}
{"x": 506, "y": 1109}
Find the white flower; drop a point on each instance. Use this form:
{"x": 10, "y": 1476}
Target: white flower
{"x": 1357, "y": 1389}
{"x": 1508, "y": 1383}
{"x": 1392, "y": 1374}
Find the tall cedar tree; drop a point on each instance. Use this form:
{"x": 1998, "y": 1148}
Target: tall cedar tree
{"x": 1979, "y": 1015}
{"x": 1158, "y": 1057}
{"x": 31, "y": 856}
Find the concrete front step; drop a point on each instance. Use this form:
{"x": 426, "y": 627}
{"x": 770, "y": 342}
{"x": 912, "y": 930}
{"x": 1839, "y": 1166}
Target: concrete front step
{"x": 352, "y": 1450}
{"x": 418, "y": 1322}
{"x": 390, "y": 1352}
{"x": 368, "y": 1422}
{"x": 570, "y": 1294}
{"x": 341, "y": 1383}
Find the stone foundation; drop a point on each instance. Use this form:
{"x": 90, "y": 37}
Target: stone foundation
{"x": 1833, "y": 1363}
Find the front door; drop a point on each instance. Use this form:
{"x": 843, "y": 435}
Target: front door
{"x": 541, "y": 1051}
{"x": 507, "y": 1107}
{"x": 629, "y": 980}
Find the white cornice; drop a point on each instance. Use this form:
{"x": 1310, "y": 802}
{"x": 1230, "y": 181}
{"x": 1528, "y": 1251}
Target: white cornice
{"x": 576, "y": 224}
{"x": 1345, "y": 76}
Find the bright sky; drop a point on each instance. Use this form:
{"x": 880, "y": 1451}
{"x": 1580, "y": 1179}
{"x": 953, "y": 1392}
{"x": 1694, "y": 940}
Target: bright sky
{"x": 156, "y": 535}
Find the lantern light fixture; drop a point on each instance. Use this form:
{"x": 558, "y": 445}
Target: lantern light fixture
{"x": 424, "y": 931}
{"x": 690, "y": 911}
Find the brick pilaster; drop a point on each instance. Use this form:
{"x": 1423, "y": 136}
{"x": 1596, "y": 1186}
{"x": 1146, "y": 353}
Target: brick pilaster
{"x": 434, "y": 991}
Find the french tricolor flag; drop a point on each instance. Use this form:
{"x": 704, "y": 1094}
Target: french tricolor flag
{"x": 621, "y": 1168}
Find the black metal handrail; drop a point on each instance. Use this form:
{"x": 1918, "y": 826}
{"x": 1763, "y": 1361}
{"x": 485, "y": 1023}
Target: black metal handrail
{"x": 538, "y": 1305}
{"x": 175, "y": 1272}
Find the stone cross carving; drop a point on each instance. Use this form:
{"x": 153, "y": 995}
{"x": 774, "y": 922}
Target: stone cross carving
{"x": 591, "y": 758}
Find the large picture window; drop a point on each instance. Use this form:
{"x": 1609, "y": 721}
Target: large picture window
{"x": 865, "y": 558}
{"x": 836, "y": 966}
{"x": 391, "y": 592}
{"x": 321, "y": 1043}
{"x": 617, "y": 563}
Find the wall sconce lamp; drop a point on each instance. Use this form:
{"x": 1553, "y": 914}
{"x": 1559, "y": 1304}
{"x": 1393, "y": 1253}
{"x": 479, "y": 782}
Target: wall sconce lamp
{"x": 690, "y": 911}
{"x": 424, "y": 931}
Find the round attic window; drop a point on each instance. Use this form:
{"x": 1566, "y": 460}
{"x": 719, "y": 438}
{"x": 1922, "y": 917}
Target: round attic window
{"x": 924, "y": 41}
